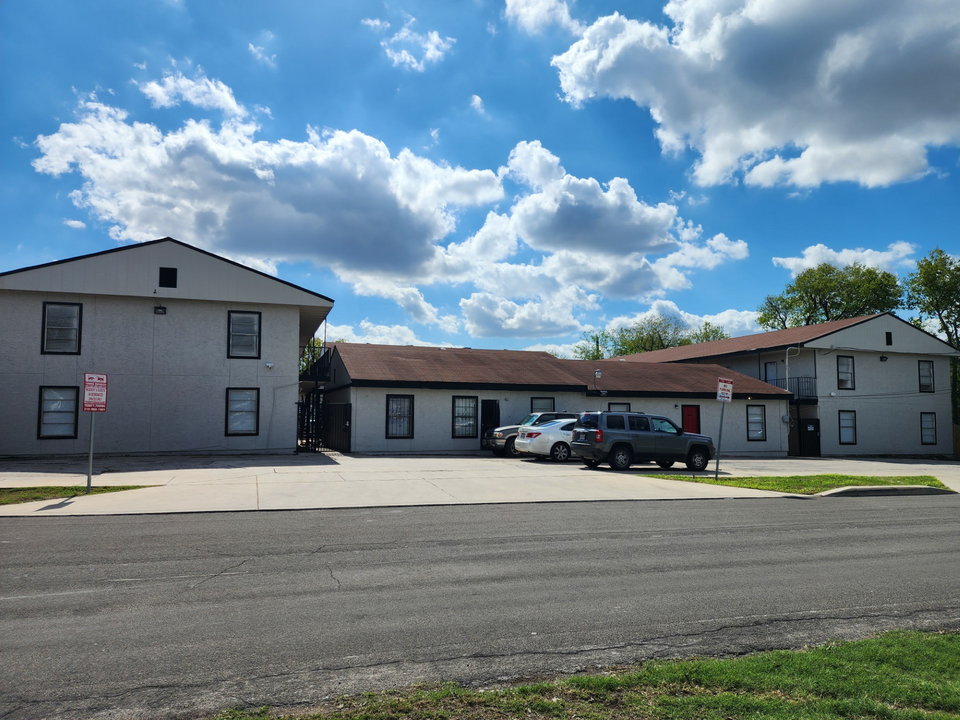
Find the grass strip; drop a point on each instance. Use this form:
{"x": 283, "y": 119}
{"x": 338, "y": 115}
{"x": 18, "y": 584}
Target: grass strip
{"x": 807, "y": 484}
{"x": 11, "y": 496}
{"x": 895, "y": 676}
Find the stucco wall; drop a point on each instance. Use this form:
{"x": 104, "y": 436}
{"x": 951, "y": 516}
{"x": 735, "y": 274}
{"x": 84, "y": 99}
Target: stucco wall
{"x": 168, "y": 375}
{"x": 433, "y": 418}
{"x": 887, "y": 401}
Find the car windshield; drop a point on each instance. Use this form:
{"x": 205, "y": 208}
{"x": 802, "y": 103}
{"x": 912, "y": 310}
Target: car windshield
{"x": 589, "y": 420}
{"x": 528, "y": 420}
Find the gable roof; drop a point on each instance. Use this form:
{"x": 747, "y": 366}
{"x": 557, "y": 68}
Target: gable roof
{"x": 410, "y": 366}
{"x": 133, "y": 271}
{"x": 773, "y": 340}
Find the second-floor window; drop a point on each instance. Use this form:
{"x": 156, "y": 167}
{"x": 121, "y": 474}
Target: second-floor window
{"x": 61, "y": 328}
{"x": 243, "y": 337}
{"x": 845, "y": 375}
{"x": 926, "y": 375}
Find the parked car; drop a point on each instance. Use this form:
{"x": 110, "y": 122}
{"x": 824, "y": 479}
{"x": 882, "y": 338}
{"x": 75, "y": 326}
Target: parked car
{"x": 622, "y": 438}
{"x": 501, "y": 440}
{"x": 551, "y": 439}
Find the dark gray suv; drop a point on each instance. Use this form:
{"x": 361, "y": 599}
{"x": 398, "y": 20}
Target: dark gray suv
{"x": 622, "y": 438}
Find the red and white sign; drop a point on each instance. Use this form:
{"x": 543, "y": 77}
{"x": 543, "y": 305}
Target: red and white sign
{"x": 724, "y": 390}
{"x": 94, "y": 392}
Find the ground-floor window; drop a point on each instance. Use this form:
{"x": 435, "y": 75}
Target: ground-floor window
{"x": 541, "y": 404}
{"x": 928, "y": 428}
{"x": 399, "y": 416}
{"x": 848, "y": 427}
{"x": 756, "y": 422}
{"x": 464, "y": 417}
{"x": 243, "y": 411}
{"x": 58, "y": 412}
{"x": 618, "y": 407}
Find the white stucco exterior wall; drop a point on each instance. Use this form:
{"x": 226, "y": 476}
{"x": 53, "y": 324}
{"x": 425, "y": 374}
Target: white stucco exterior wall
{"x": 168, "y": 375}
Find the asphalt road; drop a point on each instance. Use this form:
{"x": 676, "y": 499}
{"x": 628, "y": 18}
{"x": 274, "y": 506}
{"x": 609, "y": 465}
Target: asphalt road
{"x": 178, "y": 615}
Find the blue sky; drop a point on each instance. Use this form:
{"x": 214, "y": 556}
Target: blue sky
{"x": 503, "y": 174}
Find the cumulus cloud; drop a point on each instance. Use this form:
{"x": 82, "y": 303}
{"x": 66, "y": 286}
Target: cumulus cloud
{"x": 476, "y": 102}
{"x": 75, "y": 224}
{"x": 383, "y": 222}
{"x": 793, "y": 93}
{"x": 376, "y": 24}
{"x": 534, "y": 15}
{"x": 734, "y": 322}
{"x": 369, "y": 332}
{"x": 412, "y": 50}
{"x": 897, "y": 255}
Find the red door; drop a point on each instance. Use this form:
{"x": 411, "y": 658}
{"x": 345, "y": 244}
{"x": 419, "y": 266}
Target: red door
{"x": 690, "y": 415}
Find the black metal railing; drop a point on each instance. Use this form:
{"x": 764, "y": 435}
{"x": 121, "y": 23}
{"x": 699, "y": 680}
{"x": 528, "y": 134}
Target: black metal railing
{"x": 801, "y": 387}
{"x": 314, "y": 363}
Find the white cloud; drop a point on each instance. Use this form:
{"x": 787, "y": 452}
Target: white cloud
{"x": 897, "y": 255}
{"x": 369, "y": 332}
{"x": 534, "y": 15}
{"x": 434, "y": 137}
{"x": 380, "y": 221}
{"x": 260, "y": 54}
{"x": 141, "y": 65}
{"x": 799, "y": 93}
{"x": 491, "y": 28}
{"x": 734, "y": 322}
{"x": 376, "y": 24}
{"x": 476, "y": 102}
{"x": 562, "y": 350}
{"x": 202, "y": 92}
{"x": 413, "y": 50}
{"x": 75, "y": 224}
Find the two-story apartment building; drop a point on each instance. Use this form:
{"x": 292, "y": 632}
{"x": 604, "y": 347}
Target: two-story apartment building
{"x": 201, "y": 353}
{"x": 872, "y": 385}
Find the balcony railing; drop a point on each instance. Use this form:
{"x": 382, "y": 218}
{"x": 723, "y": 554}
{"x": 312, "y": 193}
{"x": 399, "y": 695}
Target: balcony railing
{"x": 801, "y": 387}
{"x": 314, "y": 364}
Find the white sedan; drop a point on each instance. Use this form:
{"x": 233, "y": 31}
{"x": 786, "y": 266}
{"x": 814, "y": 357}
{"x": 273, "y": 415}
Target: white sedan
{"x": 552, "y": 438}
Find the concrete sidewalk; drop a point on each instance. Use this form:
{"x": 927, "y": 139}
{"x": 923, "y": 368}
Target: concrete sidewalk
{"x": 313, "y": 481}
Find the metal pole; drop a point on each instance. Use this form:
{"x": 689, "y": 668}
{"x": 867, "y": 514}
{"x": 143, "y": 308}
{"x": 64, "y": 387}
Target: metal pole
{"x": 716, "y": 473}
{"x": 90, "y": 460}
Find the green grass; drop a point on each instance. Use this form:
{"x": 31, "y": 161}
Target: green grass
{"x": 10, "y": 496}
{"x": 807, "y": 484}
{"x": 896, "y": 676}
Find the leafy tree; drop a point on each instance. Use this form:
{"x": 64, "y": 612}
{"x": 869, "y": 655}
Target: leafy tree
{"x": 653, "y": 333}
{"x": 708, "y": 332}
{"x": 825, "y": 293}
{"x": 934, "y": 291}
{"x": 594, "y": 346}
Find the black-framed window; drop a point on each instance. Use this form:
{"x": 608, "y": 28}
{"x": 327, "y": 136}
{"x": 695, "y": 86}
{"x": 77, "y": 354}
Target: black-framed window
{"x": 168, "y": 277}
{"x": 399, "y": 416}
{"x": 618, "y": 407}
{"x": 243, "y": 411}
{"x": 62, "y": 325}
{"x": 541, "y": 404}
{"x": 889, "y": 338}
{"x": 925, "y": 368}
{"x": 846, "y": 379}
{"x": 464, "y": 416}
{"x": 848, "y": 427}
{"x": 928, "y": 428}
{"x": 756, "y": 422}
{"x": 58, "y": 412}
{"x": 243, "y": 334}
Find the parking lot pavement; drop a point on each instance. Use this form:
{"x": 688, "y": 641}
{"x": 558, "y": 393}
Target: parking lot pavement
{"x": 312, "y": 481}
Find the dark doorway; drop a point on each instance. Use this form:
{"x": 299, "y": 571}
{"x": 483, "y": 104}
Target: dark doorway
{"x": 809, "y": 437}
{"x": 690, "y": 416}
{"x": 489, "y": 416}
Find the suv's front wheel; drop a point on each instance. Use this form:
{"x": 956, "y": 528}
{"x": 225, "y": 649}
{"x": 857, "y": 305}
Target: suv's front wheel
{"x": 697, "y": 459}
{"x": 620, "y": 458}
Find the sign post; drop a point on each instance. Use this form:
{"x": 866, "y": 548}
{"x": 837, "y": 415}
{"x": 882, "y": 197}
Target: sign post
{"x": 94, "y": 401}
{"x": 724, "y": 395}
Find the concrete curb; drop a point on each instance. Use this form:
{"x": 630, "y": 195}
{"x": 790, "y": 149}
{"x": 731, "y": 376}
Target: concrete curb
{"x": 879, "y": 490}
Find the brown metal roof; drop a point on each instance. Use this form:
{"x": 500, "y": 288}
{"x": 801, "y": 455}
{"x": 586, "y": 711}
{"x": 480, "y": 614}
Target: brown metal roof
{"x": 411, "y": 365}
{"x": 747, "y": 343}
